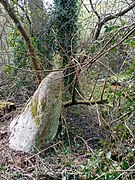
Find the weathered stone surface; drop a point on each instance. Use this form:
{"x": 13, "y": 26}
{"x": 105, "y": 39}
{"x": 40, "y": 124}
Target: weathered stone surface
{"x": 38, "y": 123}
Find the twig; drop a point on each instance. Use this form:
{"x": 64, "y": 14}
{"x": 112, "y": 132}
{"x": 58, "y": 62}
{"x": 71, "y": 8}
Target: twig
{"x": 87, "y": 146}
{"x": 128, "y": 127}
{"x": 130, "y": 168}
{"x": 93, "y": 88}
{"x": 121, "y": 117}
{"x": 94, "y": 59}
{"x": 102, "y": 94}
{"x": 124, "y": 171}
{"x": 113, "y": 37}
{"x": 85, "y": 6}
{"x": 26, "y": 37}
{"x": 4, "y": 177}
{"x": 67, "y": 131}
{"x": 98, "y": 114}
{"x": 29, "y": 176}
{"x": 117, "y": 44}
{"x": 80, "y": 94}
{"x": 48, "y": 148}
{"x": 44, "y": 150}
{"x": 96, "y": 13}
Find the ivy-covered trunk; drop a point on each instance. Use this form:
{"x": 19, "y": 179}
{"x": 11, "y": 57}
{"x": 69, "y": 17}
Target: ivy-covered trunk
{"x": 66, "y": 17}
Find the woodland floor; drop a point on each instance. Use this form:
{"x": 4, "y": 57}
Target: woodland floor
{"x": 80, "y": 135}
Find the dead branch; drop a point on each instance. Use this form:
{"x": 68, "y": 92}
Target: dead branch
{"x": 84, "y": 102}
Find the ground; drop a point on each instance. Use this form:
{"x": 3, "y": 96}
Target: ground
{"x": 84, "y": 146}
{"x": 80, "y": 133}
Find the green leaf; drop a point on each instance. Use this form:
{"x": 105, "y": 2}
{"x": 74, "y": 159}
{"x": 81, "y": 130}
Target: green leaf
{"x": 101, "y": 141}
{"x": 114, "y": 27}
{"x": 129, "y": 71}
{"x": 8, "y": 69}
{"x": 15, "y": 1}
{"x": 133, "y": 43}
{"x": 123, "y": 23}
{"x": 133, "y": 64}
{"x": 108, "y": 28}
{"x": 125, "y": 165}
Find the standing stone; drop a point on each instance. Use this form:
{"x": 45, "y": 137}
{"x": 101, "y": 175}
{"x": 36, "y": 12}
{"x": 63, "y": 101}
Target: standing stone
{"x": 38, "y": 123}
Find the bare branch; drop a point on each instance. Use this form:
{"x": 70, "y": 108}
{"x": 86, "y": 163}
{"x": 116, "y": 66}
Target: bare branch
{"x": 85, "y": 6}
{"x": 110, "y": 17}
{"x": 117, "y": 44}
{"x": 93, "y": 9}
{"x": 22, "y": 8}
{"x": 101, "y": 53}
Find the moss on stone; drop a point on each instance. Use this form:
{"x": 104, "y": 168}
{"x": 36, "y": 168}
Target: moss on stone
{"x": 34, "y": 111}
{"x": 33, "y": 107}
{"x": 43, "y": 105}
{"x": 37, "y": 120}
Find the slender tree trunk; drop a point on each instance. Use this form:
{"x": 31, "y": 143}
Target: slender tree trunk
{"x": 16, "y": 20}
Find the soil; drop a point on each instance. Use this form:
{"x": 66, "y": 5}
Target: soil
{"x": 80, "y": 134}
{"x": 84, "y": 127}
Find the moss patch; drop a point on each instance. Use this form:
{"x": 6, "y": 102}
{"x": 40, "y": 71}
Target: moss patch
{"x": 37, "y": 121}
{"x": 33, "y": 107}
{"x": 34, "y": 111}
{"x": 43, "y": 105}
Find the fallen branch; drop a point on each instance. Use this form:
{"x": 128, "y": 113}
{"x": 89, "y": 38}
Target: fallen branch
{"x": 84, "y": 102}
